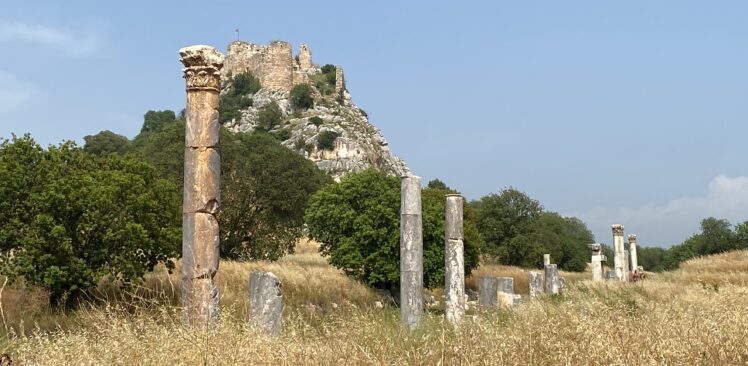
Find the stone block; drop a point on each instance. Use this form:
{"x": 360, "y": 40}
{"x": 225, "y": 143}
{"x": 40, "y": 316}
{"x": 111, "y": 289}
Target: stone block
{"x": 265, "y": 303}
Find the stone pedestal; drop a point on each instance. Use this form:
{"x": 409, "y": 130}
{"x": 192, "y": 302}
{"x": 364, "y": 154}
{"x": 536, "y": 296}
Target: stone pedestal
{"x": 598, "y": 258}
{"x": 488, "y": 288}
{"x": 265, "y": 303}
{"x": 455, "y": 302}
{"x": 536, "y": 284}
{"x": 202, "y": 196}
{"x": 411, "y": 252}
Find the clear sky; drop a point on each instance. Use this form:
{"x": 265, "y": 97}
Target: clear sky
{"x": 631, "y": 112}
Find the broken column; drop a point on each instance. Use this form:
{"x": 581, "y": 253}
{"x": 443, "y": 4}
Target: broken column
{"x": 618, "y": 259}
{"x": 626, "y": 266}
{"x": 488, "y": 288}
{"x": 632, "y": 253}
{"x": 265, "y": 303}
{"x": 202, "y": 172}
{"x": 536, "y": 283}
{"x": 546, "y": 259}
{"x": 411, "y": 252}
{"x": 455, "y": 302}
{"x": 552, "y": 283}
{"x": 598, "y": 258}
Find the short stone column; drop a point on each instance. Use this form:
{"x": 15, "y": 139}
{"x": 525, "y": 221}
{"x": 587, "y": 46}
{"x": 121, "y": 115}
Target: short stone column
{"x": 619, "y": 262}
{"x": 536, "y": 283}
{"x": 546, "y": 259}
{"x": 411, "y": 252}
{"x": 598, "y": 258}
{"x": 455, "y": 302}
{"x": 202, "y": 185}
{"x": 552, "y": 283}
{"x": 265, "y": 303}
{"x": 488, "y": 289}
{"x": 632, "y": 254}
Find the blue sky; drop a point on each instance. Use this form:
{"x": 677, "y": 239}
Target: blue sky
{"x": 617, "y": 112}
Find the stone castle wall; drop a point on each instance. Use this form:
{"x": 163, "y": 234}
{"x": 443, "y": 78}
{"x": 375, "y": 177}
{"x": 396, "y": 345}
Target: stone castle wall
{"x": 273, "y": 64}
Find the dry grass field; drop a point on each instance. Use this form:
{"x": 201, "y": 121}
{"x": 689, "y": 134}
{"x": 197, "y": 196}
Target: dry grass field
{"x": 694, "y": 316}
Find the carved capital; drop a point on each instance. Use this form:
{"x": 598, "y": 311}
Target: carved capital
{"x": 202, "y": 67}
{"x": 632, "y": 238}
{"x": 595, "y": 247}
{"x": 617, "y": 229}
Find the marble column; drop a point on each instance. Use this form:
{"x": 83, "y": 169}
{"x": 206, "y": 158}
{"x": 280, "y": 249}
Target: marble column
{"x": 619, "y": 262}
{"x": 455, "y": 302}
{"x": 411, "y": 252}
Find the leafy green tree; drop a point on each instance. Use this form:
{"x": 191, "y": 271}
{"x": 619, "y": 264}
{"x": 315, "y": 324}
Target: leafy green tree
{"x": 237, "y": 97}
{"x": 106, "y": 142}
{"x": 269, "y": 116}
{"x": 716, "y": 237}
{"x": 301, "y": 97}
{"x": 326, "y": 140}
{"x": 358, "y": 223}
{"x": 501, "y": 217}
{"x": 677, "y": 254}
{"x": 84, "y": 217}
{"x": 437, "y": 184}
{"x": 265, "y": 189}
{"x": 651, "y": 258}
{"x": 164, "y": 149}
{"x": 155, "y": 120}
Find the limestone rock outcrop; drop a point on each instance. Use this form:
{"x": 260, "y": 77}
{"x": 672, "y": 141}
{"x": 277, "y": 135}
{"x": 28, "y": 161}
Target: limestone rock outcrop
{"x": 359, "y": 145}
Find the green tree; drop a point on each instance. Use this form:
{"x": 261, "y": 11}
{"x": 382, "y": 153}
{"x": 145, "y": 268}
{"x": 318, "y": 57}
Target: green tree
{"x": 106, "y": 142}
{"x": 164, "y": 149}
{"x": 301, "y": 97}
{"x": 265, "y": 189}
{"x": 269, "y": 116}
{"x": 358, "y": 223}
{"x": 651, "y": 258}
{"x": 85, "y": 217}
{"x": 155, "y": 120}
{"x": 501, "y": 217}
{"x": 437, "y": 184}
{"x": 237, "y": 97}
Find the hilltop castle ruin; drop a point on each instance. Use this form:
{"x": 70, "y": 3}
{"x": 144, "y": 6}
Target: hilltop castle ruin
{"x": 274, "y": 65}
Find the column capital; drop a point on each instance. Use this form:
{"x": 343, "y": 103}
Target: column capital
{"x": 617, "y": 229}
{"x": 632, "y": 238}
{"x": 202, "y": 67}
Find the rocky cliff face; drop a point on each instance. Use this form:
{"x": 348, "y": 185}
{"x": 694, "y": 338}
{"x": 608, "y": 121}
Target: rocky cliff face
{"x": 359, "y": 144}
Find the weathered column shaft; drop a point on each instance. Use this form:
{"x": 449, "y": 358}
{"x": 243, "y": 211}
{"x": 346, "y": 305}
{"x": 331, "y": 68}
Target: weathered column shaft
{"x": 632, "y": 253}
{"x": 455, "y": 302}
{"x": 619, "y": 260}
{"x": 546, "y": 259}
{"x": 552, "y": 283}
{"x": 265, "y": 303}
{"x": 202, "y": 173}
{"x": 411, "y": 252}
{"x": 536, "y": 283}
{"x": 597, "y": 261}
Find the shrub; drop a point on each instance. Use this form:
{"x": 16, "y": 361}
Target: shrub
{"x": 237, "y": 97}
{"x": 269, "y": 116}
{"x": 326, "y": 140}
{"x": 282, "y": 134}
{"x": 329, "y": 69}
{"x": 316, "y": 121}
{"x": 301, "y": 97}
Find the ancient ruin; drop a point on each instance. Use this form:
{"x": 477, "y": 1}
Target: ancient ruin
{"x": 598, "y": 262}
{"x": 632, "y": 254}
{"x": 552, "y": 283}
{"x": 546, "y": 259}
{"x": 265, "y": 303}
{"x": 455, "y": 302}
{"x": 535, "y": 283}
{"x": 411, "y": 252}
{"x": 494, "y": 291}
{"x": 202, "y": 196}
{"x": 619, "y": 260}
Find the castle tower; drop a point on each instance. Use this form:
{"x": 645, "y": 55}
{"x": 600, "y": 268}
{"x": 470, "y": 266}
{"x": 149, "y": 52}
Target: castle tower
{"x": 339, "y": 80}
{"x": 278, "y": 70}
{"x": 305, "y": 57}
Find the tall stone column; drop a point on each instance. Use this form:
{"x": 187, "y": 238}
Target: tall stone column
{"x": 618, "y": 247}
{"x": 597, "y": 261}
{"x": 411, "y": 252}
{"x": 632, "y": 253}
{"x": 455, "y": 302}
{"x": 202, "y": 196}
{"x": 546, "y": 259}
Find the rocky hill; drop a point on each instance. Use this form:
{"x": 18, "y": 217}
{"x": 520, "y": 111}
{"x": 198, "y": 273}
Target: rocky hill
{"x": 333, "y": 132}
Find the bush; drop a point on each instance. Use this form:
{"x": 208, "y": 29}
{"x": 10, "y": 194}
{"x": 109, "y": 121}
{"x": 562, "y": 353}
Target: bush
{"x": 237, "y": 97}
{"x": 282, "y": 135}
{"x": 326, "y": 140}
{"x": 358, "y": 222}
{"x": 269, "y": 116}
{"x": 329, "y": 69}
{"x": 301, "y": 97}
{"x": 316, "y": 121}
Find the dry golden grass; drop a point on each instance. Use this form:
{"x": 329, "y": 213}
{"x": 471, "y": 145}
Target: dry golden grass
{"x": 667, "y": 320}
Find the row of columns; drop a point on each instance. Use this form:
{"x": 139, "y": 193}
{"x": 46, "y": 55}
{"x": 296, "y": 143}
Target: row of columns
{"x": 625, "y": 263}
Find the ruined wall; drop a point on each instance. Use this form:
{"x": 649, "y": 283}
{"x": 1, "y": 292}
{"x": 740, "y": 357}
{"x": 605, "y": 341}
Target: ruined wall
{"x": 305, "y": 58}
{"x": 339, "y": 80}
{"x": 278, "y": 67}
{"x": 242, "y": 57}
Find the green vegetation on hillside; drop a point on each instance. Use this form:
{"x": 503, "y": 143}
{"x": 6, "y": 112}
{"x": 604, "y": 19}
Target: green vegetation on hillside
{"x": 237, "y": 98}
